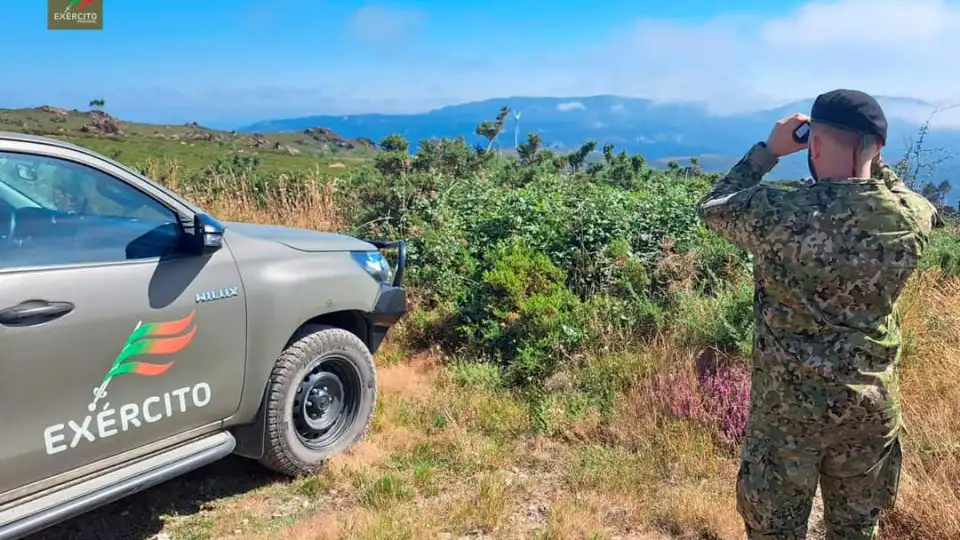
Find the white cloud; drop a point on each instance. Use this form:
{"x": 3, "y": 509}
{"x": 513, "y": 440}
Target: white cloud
{"x": 738, "y": 61}
{"x": 570, "y": 106}
{"x": 741, "y": 62}
{"x": 382, "y": 22}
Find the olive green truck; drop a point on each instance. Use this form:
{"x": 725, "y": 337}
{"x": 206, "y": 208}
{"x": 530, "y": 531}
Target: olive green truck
{"x": 140, "y": 338}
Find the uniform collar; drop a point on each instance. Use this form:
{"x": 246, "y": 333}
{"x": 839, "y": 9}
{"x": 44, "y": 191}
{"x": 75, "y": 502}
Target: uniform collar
{"x": 845, "y": 180}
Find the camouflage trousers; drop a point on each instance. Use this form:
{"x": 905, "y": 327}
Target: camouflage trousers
{"x": 858, "y": 476}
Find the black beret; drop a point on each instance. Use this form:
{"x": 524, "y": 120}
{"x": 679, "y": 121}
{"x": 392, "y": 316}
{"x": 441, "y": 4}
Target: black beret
{"x": 850, "y": 110}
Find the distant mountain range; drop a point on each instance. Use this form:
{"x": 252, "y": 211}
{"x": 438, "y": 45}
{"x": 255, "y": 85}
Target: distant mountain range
{"x": 659, "y": 131}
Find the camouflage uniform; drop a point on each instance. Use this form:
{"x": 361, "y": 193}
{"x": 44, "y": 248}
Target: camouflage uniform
{"x": 831, "y": 261}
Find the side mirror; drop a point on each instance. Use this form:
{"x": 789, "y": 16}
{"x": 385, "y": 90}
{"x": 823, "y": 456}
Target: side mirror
{"x": 209, "y": 233}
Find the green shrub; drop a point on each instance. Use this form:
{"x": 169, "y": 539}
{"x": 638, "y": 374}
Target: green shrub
{"x": 723, "y": 319}
{"x": 523, "y": 315}
{"x": 943, "y": 251}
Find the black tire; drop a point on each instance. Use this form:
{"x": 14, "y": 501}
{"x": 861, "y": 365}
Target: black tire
{"x": 292, "y": 445}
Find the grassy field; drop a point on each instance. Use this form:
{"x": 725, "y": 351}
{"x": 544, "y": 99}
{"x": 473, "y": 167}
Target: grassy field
{"x": 535, "y": 391}
{"x": 190, "y": 145}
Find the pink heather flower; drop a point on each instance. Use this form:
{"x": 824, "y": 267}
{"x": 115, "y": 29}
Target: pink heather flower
{"x": 721, "y": 399}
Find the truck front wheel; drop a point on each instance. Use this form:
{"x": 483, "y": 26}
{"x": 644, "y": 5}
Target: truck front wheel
{"x": 320, "y": 401}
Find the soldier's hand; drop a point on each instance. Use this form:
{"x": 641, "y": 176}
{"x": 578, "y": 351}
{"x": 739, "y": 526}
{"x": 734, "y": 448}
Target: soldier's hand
{"x": 780, "y": 142}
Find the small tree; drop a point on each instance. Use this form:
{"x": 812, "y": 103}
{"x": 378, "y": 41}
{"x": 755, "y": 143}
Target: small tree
{"x": 695, "y": 169}
{"x": 491, "y": 130}
{"x": 919, "y": 161}
{"x": 97, "y": 104}
{"x": 608, "y": 153}
{"x": 393, "y": 160}
{"x": 577, "y": 158}
{"x": 936, "y": 193}
{"x": 527, "y": 151}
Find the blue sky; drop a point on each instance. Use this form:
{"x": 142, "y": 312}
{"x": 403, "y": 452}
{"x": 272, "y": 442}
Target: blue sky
{"x": 240, "y": 60}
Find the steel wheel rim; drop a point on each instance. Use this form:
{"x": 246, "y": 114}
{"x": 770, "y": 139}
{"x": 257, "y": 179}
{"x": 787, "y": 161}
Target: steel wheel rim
{"x": 327, "y": 402}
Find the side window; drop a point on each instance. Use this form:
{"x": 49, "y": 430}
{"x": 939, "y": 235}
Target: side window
{"x": 54, "y": 211}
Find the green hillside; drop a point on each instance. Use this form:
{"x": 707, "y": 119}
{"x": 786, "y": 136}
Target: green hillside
{"x": 193, "y": 146}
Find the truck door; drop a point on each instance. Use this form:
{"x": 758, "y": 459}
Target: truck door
{"x": 116, "y": 338}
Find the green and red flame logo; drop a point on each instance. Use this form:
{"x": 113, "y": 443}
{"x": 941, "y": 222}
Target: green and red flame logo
{"x": 148, "y": 338}
{"x": 81, "y": 4}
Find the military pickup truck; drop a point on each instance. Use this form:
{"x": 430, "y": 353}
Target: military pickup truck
{"x": 140, "y": 338}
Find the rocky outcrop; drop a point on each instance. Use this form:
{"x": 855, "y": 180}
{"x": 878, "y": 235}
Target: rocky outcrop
{"x": 280, "y": 147}
{"x": 53, "y": 110}
{"x": 259, "y": 141}
{"x": 102, "y": 123}
{"x": 366, "y": 143}
{"x": 326, "y": 136}
{"x": 209, "y": 136}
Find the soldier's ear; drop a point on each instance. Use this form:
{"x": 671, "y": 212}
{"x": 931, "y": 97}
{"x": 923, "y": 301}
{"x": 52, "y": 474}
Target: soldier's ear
{"x": 816, "y": 145}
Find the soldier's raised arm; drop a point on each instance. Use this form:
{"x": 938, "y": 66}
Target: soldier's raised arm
{"x": 742, "y": 209}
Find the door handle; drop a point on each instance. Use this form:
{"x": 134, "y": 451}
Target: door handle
{"x": 34, "y": 312}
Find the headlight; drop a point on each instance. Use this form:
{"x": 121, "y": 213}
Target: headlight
{"x": 374, "y": 263}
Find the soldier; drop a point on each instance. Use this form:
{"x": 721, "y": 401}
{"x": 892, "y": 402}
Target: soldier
{"x": 832, "y": 258}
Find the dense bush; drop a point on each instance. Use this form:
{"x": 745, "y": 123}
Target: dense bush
{"x": 524, "y": 255}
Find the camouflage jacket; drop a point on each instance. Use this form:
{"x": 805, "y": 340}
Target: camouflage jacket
{"x": 831, "y": 259}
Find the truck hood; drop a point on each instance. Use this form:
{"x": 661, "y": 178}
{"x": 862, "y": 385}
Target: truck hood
{"x": 301, "y": 239}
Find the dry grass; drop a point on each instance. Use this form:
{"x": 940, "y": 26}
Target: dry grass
{"x": 928, "y": 505}
{"x": 307, "y": 205}
{"x": 452, "y": 455}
